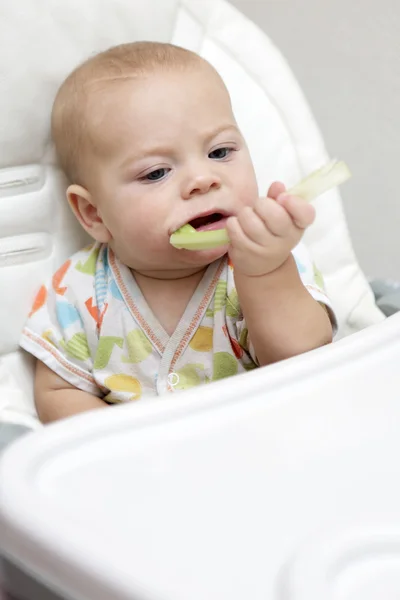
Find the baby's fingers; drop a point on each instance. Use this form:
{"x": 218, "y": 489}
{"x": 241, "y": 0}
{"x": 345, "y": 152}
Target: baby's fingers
{"x": 275, "y": 189}
{"x": 252, "y": 225}
{"x": 238, "y": 238}
{"x": 301, "y": 212}
{"x": 276, "y": 219}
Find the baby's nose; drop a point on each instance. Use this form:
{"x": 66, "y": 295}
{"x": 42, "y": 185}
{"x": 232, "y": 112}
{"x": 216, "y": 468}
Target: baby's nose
{"x": 201, "y": 184}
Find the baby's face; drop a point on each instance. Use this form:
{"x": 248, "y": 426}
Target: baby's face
{"x": 171, "y": 154}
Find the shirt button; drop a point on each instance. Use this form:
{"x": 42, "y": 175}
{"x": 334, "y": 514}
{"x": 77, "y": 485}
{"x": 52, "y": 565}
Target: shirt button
{"x": 173, "y": 379}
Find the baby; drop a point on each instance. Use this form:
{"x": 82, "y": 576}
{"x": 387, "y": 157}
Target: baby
{"x": 146, "y": 135}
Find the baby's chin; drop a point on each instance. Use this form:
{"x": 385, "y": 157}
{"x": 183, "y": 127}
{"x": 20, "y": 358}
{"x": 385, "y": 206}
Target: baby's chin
{"x": 203, "y": 257}
{"x": 178, "y": 261}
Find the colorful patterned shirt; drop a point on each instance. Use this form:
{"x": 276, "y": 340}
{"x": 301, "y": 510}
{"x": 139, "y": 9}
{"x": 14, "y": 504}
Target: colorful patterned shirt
{"x": 94, "y": 328}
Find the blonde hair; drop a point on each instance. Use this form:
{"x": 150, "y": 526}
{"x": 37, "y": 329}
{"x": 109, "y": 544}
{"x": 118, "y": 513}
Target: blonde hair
{"x": 69, "y": 120}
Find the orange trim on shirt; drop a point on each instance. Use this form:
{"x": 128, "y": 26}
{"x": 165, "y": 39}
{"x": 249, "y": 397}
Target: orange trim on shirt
{"x": 49, "y": 348}
{"x": 197, "y": 316}
{"x": 132, "y": 306}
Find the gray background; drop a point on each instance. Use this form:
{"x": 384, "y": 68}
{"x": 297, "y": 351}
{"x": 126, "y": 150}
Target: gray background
{"x": 346, "y": 56}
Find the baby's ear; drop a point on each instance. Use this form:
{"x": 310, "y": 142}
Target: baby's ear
{"x": 87, "y": 213}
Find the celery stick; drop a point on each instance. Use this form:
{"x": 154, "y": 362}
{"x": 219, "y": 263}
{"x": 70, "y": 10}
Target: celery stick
{"x": 188, "y": 238}
{"x": 315, "y": 184}
{"x": 322, "y": 180}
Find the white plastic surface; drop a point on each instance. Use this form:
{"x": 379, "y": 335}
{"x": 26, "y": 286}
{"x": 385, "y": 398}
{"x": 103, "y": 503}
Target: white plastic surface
{"x": 280, "y": 485}
{"x": 350, "y": 564}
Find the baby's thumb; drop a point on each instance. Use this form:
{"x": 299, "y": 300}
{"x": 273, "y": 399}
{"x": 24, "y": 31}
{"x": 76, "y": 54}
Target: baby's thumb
{"x": 276, "y": 188}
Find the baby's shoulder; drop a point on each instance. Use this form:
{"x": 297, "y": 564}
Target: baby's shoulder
{"x": 81, "y": 269}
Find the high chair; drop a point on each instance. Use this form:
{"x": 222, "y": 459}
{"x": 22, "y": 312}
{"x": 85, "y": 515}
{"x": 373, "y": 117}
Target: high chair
{"x": 41, "y": 43}
{"x": 37, "y": 229}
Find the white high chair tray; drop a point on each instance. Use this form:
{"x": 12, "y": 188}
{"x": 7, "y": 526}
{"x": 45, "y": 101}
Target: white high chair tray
{"x": 258, "y": 487}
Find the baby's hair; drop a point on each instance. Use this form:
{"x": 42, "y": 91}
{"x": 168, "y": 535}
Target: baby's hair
{"x": 69, "y": 127}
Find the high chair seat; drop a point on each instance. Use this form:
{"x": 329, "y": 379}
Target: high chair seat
{"x": 40, "y": 44}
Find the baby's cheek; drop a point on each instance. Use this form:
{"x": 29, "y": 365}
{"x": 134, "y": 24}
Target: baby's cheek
{"x": 247, "y": 188}
{"x": 248, "y": 195}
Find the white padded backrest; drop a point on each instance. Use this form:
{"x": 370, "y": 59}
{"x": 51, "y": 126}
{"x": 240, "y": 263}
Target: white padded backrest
{"x": 41, "y": 42}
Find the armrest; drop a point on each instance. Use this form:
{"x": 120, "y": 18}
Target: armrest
{"x": 387, "y": 295}
{"x": 15, "y": 408}
{"x": 389, "y": 304}
{"x": 384, "y": 287}
{"x": 9, "y": 432}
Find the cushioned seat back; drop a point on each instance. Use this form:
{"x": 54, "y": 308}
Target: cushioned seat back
{"x": 41, "y": 42}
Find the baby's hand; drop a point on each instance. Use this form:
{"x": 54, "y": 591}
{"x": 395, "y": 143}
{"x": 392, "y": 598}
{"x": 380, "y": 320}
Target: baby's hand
{"x": 263, "y": 236}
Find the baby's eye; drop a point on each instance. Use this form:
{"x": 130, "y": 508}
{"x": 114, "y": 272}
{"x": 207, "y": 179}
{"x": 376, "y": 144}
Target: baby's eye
{"x": 220, "y": 153}
{"x": 156, "y": 174}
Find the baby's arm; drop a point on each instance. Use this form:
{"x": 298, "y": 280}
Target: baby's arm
{"x": 282, "y": 317}
{"x": 56, "y": 399}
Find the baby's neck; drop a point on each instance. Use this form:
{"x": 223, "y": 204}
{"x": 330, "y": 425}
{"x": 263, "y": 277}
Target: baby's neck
{"x": 170, "y": 276}
{"x": 168, "y": 297}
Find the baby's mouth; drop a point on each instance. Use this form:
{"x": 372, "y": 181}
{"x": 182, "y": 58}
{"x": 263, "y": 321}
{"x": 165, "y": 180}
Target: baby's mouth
{"x": 209, "y": 222}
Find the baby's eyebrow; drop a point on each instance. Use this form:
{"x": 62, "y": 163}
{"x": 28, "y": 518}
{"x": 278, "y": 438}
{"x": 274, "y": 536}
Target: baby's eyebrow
{"x": 165, "y": 150}
{"x": 162, "y": 150}
{"x": 221, "y": 129}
